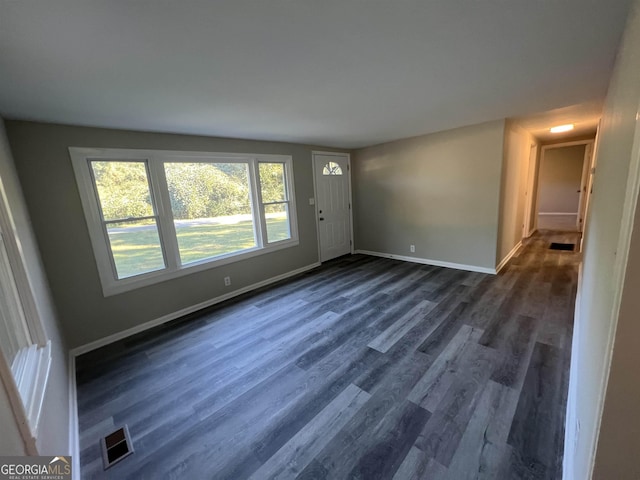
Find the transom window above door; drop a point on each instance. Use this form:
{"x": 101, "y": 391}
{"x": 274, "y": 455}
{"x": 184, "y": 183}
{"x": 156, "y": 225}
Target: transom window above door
{"x": 154, "y": 215}
{"x": 332, "y": 168}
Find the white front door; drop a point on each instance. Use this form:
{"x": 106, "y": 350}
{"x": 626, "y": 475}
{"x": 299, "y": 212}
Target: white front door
{"x": 333, "y": 206}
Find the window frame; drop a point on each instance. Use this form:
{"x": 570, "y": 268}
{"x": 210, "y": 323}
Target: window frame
{"x": 81, "y": 159}
{"x": 262, "y": 204}
{"x": 104, "y": 223}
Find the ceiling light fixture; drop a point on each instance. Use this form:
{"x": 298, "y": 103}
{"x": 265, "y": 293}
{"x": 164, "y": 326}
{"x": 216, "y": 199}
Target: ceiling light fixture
{"x": 562, "y": 128}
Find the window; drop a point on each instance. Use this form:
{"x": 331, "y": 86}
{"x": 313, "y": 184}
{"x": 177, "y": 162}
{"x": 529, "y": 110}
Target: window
{"x": 332, "y": 168}
{"x": 211, "y": 207}
{"x": 128, "y": 216}
{"x": 275, "y": 201}
{"x": 154, "y": 215}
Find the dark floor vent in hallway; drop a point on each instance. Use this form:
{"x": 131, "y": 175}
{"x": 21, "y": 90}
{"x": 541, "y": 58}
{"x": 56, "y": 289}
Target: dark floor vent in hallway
{"x": 116, "y": 446}
{"x": 563, "y": 246}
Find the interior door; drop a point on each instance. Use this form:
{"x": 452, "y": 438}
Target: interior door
{"x": 333, "y": 206}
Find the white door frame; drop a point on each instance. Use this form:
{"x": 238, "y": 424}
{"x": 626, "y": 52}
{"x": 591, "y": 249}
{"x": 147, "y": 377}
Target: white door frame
{"x": 531, "y": 177}
{"x": 584, "y": 185}
{"x": 347, "y": 156}
{"x": 540, "y": 159}
{"x": 591, "y": 172}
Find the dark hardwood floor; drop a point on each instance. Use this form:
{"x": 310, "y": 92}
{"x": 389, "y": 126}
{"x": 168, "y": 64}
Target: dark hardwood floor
{"x": 364, "y": 368}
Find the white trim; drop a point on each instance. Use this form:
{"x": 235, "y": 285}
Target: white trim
{"x": 567, "y": 214}
{"x": 427, "y": 261}
{"x": 592, "y": 165}
{"x": 18, "y": 268}
{"x": 632, "y": 195}
{"x": 571, "y": 427}
{"x": 74, "y": 428}
{"x": 352, "y": 240}
{"x": 315, "y": 196}
{"x": 567, "y": 144}
{"x": 584, "y": 180}
{"x": 31, "y": 372}
{"x": 183, "y": 312}
{"x": 17, "y": 405}
{"x": 531, "y": 176}
{"x": 154, "y": 160}
{"x": 508, "y": 257}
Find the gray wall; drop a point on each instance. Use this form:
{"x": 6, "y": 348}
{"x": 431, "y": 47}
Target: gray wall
{"x": 45, "y": 171}
{"x": 560, "y": 176}
{"x": 619, "y": 440}
{"x": 517, "y": 147}
{"x": 439, "y": 192}
{"x": 619, "y": 443}
{"x": 53, "y": 437}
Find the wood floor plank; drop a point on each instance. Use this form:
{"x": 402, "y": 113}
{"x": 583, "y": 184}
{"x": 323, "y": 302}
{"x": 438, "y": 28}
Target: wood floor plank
{"x": 397, "y": 330}
{"x": 480, "y": 454}
{"x": 441, "y": 436}
{"x": 445, "y": 331}
{"x": 314, "y": 471}
{"x": 390, "y": 442}
{"x": 515, "y": 350}
{"x": 378, "y": 417}
{"x": 533, "y": 434}
{"x": 339, "y": 373}
{"x": 418, "y": 465}
{"x": 298, "y": 452}
{"x": 435, "y": 383}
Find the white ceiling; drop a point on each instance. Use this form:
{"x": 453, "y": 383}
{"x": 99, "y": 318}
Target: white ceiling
{"x": 343, "y": 73}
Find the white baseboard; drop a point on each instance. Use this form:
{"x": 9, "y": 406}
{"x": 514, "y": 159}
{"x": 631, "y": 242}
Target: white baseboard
{"x": 506, "y": 259}
{"x": 565, "y": 214}
{"x": 427, "y": 261}
{"x": 74, "y": 433}
{"x": 185, "y": 311}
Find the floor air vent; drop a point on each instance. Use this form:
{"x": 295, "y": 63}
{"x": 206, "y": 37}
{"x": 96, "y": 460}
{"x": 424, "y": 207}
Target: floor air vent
{"x": 116, "y": 446}
{"x": 563, "y": 246}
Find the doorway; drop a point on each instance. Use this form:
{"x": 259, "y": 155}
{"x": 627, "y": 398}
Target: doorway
{"x": 562, "y": 191}
{"x": 332, "y": 178}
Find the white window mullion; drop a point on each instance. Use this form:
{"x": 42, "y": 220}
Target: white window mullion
{"x": 160, "y": 191}
{"x": 256, "y": 202}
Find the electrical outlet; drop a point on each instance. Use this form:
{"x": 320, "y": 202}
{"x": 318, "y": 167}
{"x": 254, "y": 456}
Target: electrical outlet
{"x": 412, "y": 248}
{"x": 227, "y": 281}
